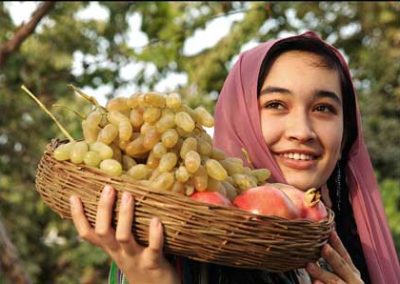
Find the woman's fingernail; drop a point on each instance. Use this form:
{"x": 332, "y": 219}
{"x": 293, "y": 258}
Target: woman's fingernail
{"x": 155, "y": 222}
{"x": 73, "y": 200}
{"x": 106, "y": 191}
{"x": 126, "y": 198}
{"x": 312, "y": 267}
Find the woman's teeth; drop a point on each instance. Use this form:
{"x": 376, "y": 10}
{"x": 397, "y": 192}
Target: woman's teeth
{"x": 298, "y": 156}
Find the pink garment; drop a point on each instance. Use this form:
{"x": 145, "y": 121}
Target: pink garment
{"x": 238, "y": 126}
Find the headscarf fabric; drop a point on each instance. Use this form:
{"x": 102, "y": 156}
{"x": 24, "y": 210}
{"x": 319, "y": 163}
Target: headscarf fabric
{"x": 238, "y": 127}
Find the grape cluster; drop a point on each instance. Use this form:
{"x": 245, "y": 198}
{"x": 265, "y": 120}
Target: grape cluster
{"x": 161, "y": 143}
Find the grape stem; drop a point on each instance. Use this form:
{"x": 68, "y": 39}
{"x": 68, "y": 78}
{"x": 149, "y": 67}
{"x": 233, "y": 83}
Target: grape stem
{"x": 70, "y": 109}
{"x": 43, "y": 107}
{"x": 87, "y": 97}
{"x": 247, "y": 156}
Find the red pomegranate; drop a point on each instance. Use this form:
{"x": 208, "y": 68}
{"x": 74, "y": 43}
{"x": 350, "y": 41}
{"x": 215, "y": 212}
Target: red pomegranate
{"x": 309, "y": 203}
{"x": 211, "y": 197}
{"x": 267, "y": 200}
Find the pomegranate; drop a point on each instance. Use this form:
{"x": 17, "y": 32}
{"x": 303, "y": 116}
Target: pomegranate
{"x": 267, "y": 200}
{"x": 309, "y": 203}
{"x": 211, "y": 197}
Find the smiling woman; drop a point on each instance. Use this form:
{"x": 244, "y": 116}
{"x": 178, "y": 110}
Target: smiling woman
{"x": 291, "y": 104}
{"x": 302, "y": 118}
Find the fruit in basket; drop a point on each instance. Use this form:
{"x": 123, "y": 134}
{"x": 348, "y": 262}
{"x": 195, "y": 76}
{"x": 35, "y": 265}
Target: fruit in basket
{"x": 160, "y": 142}
{"x": 308, "y": 202}
{"x": 211, "y": 197}
{"x": 267, "y": 200}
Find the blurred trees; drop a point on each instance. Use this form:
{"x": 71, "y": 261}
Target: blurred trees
{"x": 367, "y": 32}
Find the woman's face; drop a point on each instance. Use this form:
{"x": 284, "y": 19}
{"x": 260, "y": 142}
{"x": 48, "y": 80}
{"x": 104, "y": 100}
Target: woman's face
{"x": 302, "y": 118}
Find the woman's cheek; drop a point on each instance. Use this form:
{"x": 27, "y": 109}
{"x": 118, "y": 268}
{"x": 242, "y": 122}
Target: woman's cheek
{"x": 271, "y": 128}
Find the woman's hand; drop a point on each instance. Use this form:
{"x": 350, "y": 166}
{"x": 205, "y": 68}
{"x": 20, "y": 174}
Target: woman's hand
{"x": 340, "y": 261}
{"x": 139, "y": 264}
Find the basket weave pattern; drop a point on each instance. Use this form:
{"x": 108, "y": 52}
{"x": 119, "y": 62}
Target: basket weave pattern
{"x": 199, "y": 231}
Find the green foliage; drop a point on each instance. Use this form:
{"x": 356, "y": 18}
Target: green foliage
{"x": 390, "y": 191}
{"x": 368, "y": 33}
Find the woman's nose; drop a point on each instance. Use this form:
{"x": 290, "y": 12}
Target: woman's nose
{"x": 299, "y": 128}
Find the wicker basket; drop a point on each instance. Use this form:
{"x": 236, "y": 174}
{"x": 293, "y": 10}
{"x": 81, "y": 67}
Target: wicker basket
{"x": 199, "y": 231}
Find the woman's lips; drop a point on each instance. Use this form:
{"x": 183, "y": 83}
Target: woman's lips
{"x": 295, "y": 161}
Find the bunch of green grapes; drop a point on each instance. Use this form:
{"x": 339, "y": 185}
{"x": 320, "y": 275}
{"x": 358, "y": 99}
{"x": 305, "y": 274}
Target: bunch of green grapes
{"x": 160, "y": 142}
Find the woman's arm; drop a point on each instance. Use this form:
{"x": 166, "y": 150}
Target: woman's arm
{"x": 139, "y": 264}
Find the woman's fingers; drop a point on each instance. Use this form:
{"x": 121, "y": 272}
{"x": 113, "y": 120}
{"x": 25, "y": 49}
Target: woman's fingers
{"x": 156, "y": 240}
{"x": 337, "y": 244}
{"x": 338, "y": 263}
{"x": 319, "y": 274}
{"x": 80, "y": 221}
{"x": 124, "y": 227}
{"x": 104, "y": 216}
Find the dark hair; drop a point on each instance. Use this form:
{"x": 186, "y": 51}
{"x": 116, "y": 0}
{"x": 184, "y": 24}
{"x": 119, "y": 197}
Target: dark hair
{"x": 328, "y": 60}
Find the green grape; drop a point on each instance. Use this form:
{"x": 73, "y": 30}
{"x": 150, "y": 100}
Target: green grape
{"x": 204, "y": 117}
{"x": 216, "y": 170}
{"x": 90, "y": 131}
{"x": 163, "y": 182}
{"x": 136, "y": 118}
{"x": 63, "y": 151}
{"x": 159, "y": 149}
{"x": 111, "y": 167}
{"x": 185, "y": 121}
{"x": 190, "y": 144}
{"x": 169, "y": 138}
{"x": 232, "y": 165}
{"x": 134, "y": 100}
{"x": 108, "y": 134}
{"x": 136, "y": 148}
{"x": 105, "y": 151}
{"x": 192, "y": 161}
{"x": 92, "y": 158}
{"x": 154, "y": 99}
{"x": 200, "y": 179}
{"x": 178, "y": 187}
{"x": 167, "y": 162}
{"x": 217, "y": 154}
{"x": 182, "y": 174}
{"x": 173, "y": 101}
{"x": 151, "y": 114}
{"x": 261, "y": 175}
{"x": 204, "y": 147}
{"x": 152, "y": 161}
{"x": 78, "y": 152}
{"x": 127, "y": 162}
{"x": 118, "y": 104}
{"x": 122, "y": 122}
{"x": 139, "y": 172}
{"x": 166, "y": 122}
{"x": 243, "y": 181}
{"x": 151, "y": 138}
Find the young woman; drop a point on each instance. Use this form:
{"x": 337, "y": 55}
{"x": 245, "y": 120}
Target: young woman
{"x": 291, "y": 104}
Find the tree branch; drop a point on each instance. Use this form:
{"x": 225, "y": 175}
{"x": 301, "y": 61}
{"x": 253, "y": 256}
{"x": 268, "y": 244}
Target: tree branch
{"x": 24, "y": 31}
{"x": 10, "y": 263}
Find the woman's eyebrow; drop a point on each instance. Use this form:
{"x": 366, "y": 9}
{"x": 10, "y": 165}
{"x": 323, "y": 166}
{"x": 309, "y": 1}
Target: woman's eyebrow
{"x": 328, "y": 94}
{"x": 317, "y": 93}
{"x": 272, "y": 89}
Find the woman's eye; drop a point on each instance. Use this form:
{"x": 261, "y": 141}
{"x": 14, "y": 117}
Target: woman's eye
{"x": 273, "y": 105}
{"x": 325, "y": 108}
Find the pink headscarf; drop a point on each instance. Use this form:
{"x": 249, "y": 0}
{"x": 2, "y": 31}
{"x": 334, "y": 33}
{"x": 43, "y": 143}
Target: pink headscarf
{"x": 238, "y": 126}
